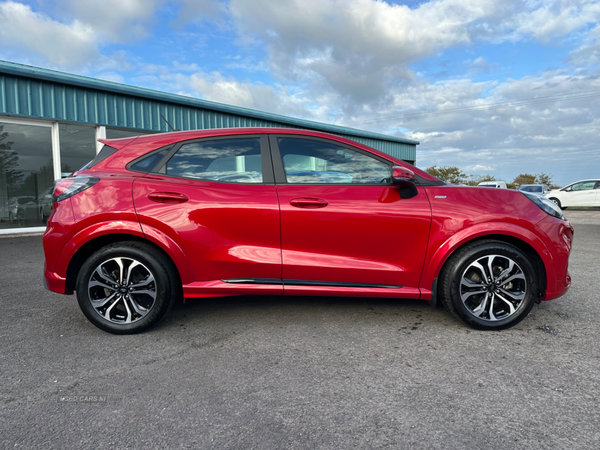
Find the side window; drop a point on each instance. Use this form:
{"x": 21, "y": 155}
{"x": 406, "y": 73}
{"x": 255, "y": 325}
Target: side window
{"x": 586, "y": 186}
{"x": 308, "y": 161}
{"x": 224, "y": 160}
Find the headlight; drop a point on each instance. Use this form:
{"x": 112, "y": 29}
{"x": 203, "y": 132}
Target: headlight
{"x": 548, "y": 206}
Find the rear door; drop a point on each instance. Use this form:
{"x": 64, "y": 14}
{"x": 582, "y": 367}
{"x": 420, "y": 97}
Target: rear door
{"x": 217, "y": 200}
{"x": 343, "y": 225}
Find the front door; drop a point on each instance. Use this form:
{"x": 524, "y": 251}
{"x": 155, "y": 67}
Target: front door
{"x": 343, "y": 225}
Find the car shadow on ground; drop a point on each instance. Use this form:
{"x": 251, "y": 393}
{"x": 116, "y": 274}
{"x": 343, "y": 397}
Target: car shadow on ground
{"x": 302, "y": 308}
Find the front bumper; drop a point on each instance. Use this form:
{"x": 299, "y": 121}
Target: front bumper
{"x": 559, "y": 241}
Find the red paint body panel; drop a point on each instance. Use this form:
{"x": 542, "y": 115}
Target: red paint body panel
{"x": 92, "y": 232}
{"x": 226, "y": 230}
{"x": 365, "y": 234}
{"x": 55, "y": 282}
{"x": 218, "y": 288}
{"x": 461, "y": 214}
{"x": 60, "y": 229}
{"x": 557, "y": 267}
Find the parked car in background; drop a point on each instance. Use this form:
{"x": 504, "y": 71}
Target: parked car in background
{"x": 11, "y": 208}
{"x": 280, "y": 211}
{"x": 27, "y": 212}
{"x": 537, "y": 189}
{"x": 493, "y": 184}
{"x": 580, "y": 193}
{"x": 45, "y": 203}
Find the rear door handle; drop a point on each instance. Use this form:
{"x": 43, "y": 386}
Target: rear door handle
{"x": 168, "y": 197}
{"x": 308, "y": 203}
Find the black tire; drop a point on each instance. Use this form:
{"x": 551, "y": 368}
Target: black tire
{"x": 128, "y": 300}
{"x": 483, "y": 301}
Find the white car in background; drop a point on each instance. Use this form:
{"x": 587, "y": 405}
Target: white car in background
{"x": 537, "y": 189}
{"x": 580, "y": 193}
{"x": 493, "y": 184}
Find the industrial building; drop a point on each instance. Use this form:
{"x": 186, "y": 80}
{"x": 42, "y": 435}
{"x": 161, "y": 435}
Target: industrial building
{"x": 50, "y": 123}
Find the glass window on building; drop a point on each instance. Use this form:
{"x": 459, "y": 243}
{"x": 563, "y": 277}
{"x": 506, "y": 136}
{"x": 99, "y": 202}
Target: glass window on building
{"x": 26, "y": 173}
{"x": 77, "y": 146}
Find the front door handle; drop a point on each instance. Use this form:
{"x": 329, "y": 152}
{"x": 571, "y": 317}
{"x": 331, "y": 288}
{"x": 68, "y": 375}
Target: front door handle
{"x": 168, "y": 197}
{"x": 308, "y": 203}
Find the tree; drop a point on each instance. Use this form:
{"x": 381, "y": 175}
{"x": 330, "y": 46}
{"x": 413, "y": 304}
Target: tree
{"x": 474, "y": 180}
{"x": 524, "y": 178}
{"x": 10, "y": 176}
{"x": 544, "y": 178}
{"x": 449, "y": 174}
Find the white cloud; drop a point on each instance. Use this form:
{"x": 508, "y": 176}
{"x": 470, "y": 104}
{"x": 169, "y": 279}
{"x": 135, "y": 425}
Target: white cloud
{"x": 589, "y": 52}
{"x": 479, "y": 168}
{"x": 275, "y": 99}
{"x": 553, "y": 134}
{"x": 197, "y": 11}
{"x": 116, "y": 20}
{"x": 62, "y": 45}
{"x": 547, "y": 19}
{"x": 355, "y": 47}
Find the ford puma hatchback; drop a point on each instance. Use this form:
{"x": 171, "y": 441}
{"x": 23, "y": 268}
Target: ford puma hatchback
{"x": 272, "y": 211}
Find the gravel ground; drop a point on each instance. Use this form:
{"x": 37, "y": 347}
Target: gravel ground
{"x": 314, "y": 373}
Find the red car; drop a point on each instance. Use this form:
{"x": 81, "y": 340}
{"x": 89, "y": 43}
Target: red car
{"x": 292, "y": 212}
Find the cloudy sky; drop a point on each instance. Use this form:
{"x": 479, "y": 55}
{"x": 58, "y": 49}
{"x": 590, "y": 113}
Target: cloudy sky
{"x": 498, "y": 87}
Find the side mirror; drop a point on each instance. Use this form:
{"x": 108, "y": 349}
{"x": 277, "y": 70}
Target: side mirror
{"x": 402, "y": 177}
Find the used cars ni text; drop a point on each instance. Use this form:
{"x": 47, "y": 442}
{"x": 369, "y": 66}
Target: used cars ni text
{"x": 292, "y": 212}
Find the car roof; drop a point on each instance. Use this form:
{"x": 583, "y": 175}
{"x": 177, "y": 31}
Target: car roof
{"x": 580, "y": 181}
{"x": 159, "y": 140}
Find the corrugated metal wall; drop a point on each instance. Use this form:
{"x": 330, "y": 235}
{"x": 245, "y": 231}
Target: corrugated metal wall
{"x": 43, "y": 99}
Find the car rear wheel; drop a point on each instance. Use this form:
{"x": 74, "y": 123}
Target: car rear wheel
{"x": 127, "y": 287}
{"x": 490, "y": 285}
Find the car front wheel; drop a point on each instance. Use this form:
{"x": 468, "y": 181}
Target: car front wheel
{"x": 126, "y": 288}
{"x": 557, "y": 202}
{"x": 489, "y": 285}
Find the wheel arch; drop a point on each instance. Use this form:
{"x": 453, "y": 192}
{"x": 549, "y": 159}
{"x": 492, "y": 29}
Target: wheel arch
{"x": 94, "y": 244}
{"x": 532, "y": 254}
{"x": 445, "y": 252}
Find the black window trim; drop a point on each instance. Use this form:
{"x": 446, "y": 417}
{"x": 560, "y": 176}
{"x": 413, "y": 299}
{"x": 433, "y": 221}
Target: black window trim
{"x": 265, "y": 155}
{"x": 147, "y": 155}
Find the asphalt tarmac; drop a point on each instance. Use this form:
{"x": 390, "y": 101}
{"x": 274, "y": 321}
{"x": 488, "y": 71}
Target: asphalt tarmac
{"x": 299, "y": 373}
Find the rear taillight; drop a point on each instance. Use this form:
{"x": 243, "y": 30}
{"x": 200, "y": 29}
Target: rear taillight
{"x": 68, "y": 187}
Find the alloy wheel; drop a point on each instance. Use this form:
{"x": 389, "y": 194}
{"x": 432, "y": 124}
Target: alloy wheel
{"x": 493, "y": 288}
{"x": 122, "y": 290}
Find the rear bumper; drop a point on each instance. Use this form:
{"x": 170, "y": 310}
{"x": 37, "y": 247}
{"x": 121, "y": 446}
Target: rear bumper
{"x": 55, "y": 283}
